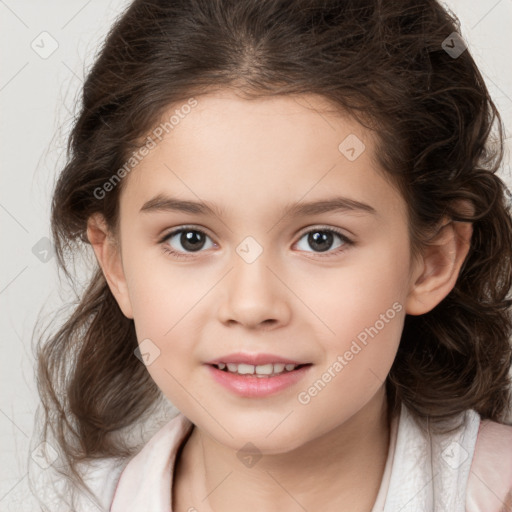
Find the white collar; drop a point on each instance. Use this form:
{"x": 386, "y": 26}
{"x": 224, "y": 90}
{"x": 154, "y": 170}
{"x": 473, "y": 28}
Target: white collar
{"x": 146, "y": 482}
{"x": 428, "y": 472}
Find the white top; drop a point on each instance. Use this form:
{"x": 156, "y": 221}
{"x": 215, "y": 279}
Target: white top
{"x": 424, "y": 472}
{"x": 419, "y": 475}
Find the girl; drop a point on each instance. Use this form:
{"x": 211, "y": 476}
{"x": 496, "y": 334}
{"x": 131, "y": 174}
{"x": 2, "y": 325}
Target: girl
{"x": 303, "y": 246}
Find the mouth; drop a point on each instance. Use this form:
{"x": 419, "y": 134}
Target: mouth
{"x": 268, "y": 370}
{"x": 257, "y": 375}
{"x": 258, "y": 381}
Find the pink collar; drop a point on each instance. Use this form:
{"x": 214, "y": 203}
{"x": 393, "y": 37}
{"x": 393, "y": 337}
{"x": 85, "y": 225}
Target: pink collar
{"x": 146, "y": 482}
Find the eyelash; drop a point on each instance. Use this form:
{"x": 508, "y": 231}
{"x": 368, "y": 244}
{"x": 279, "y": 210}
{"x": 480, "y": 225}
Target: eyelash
{"x": 179, "y": 255}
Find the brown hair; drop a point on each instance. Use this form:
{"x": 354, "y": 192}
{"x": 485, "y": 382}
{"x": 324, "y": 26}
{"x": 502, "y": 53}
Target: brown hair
{"x": 383, "y": 62}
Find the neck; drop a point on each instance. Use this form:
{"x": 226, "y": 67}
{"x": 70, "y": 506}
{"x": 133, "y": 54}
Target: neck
{"x": 339, "y": 471}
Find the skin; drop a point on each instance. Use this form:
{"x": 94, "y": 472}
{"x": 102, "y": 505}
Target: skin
{"x": 253, "y": 158}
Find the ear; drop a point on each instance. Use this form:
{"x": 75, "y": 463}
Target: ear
{"x": 438, "y": 267}
{"x": 108, "y": 254}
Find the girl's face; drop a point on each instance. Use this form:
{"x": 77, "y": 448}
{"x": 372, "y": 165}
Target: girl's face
{"x": 294, "y": 246}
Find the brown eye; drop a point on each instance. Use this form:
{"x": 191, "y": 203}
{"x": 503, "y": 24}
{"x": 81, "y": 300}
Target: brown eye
{"x": 192, "y": 240}
{"x": 322, "y": 240}
{"x": 186, "y": 240}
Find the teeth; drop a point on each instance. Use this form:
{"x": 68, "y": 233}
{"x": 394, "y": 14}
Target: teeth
{"x": 279, "y": 367}
{"x": 259, "y": 370}
{"x": 245, "y": 368}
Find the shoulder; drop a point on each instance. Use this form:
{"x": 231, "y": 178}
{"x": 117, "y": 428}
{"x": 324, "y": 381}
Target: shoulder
{"x": 490, "y": 478}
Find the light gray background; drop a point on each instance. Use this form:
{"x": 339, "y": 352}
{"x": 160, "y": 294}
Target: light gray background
{"x": 37, "y": 101}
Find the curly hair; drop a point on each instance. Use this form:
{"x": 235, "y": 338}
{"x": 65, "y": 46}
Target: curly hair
{"x": 384, "y": 63}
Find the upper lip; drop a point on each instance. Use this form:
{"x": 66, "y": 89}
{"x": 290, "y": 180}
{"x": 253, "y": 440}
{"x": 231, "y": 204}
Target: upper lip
{"x": 254, "y": 359}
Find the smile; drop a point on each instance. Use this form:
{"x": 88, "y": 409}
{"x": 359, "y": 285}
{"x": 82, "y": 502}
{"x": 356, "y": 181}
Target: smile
{"x": 257, "y": 381}
{"x": 262, "y": 370}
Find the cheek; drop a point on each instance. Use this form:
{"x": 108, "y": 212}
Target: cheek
{"x": 363, "y": 348}
{"x": 356, "y": 295}
{"x": 161, "y": 292}
{"x": 166, "y": 302}
{"x": 366, "y": 322}
{"x": 363, "y": 306}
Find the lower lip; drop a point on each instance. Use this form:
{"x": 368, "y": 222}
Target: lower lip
{"x": 257, "y": 387}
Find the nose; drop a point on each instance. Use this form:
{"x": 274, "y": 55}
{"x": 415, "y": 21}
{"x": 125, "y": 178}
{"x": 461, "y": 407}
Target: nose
{"x": 253, "y": 295}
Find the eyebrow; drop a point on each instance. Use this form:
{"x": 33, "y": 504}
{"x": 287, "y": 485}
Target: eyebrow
{"x": 163, "y": 203}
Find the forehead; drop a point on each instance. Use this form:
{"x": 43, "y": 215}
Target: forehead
{"x": 256, "y": 152}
